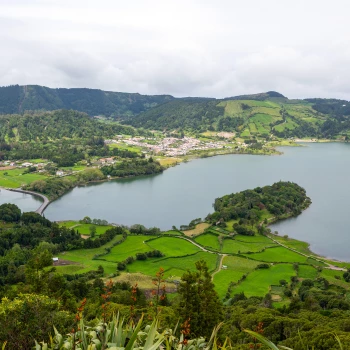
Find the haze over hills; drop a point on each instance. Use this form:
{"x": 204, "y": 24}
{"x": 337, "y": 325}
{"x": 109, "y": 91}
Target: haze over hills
{"x": 252, "y": 115}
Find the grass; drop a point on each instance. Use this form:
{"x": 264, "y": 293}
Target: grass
{"x": 259, "y": 281}
{"x": 15, "y": 179}
{"x": 330, "y": 276}
{"x": 84, "y": 258}
{"x": 254, "y": 239}
{"x": 236, "y": 268}
{"x": 167, "y": 162}
{"x": 143, "y": 281}
{"x": 300, "y": 246}
{"x": 279, "y": 254}
{"x": 306, "y": 271}
{"x": 174, "y": 267}
{"x": 84, "y": 229}
{"x": 208, "y": 240}
{"x": 172, "y": 246}
{"x": 68, "y": 224}
{"x": 238, "y": 247}
{"x": 130, "y": 247}
{"x": 200, "y": 228}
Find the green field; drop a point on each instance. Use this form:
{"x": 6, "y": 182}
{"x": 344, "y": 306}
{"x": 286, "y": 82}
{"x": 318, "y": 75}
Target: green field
{"x": 259, "y": 281}
{"x": 83, "y": 259}
{"x": 130, "y": 247}
{"x": 239, "y": 247}
{"x": 15, "y": 179}
{"x": 236, "y": 268}
{"x": 278, "y": 254}
{"x": 208, "y": 240}
{"x": 300, "y": 246}
{"x": 306, "y": 271}
{"x": 172, "y": 246}
{"x": 174, "y": 267}
{"x": 84, "y": 229}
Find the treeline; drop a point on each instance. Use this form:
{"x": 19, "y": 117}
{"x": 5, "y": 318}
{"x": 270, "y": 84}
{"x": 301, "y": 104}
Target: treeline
{"x": 282, "y": 198}
{"x": 94, "y": 102}
{"x": 133, "y": 167}
{"x": 55, "y": 187}
{"x": 62, "y": 152}
{"x": 185, "y": 114}
{"x": 32, "y": 233}
{"x": 45, "y": 126}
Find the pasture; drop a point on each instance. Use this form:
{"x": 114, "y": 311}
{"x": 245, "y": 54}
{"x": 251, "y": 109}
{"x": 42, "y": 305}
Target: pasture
{"x": 208, "y": 240}
{"x": 278, "y": 254}
{"x": 259, "y": 281}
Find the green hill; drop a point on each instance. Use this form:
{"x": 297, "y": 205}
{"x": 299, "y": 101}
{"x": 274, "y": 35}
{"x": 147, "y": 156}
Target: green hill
{"x": 18, "y": 99}
{"x": 260, "y": 115}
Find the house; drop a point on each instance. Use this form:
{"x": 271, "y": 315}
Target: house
{"x": 59, "y": 173}
{"x": 224, "y": 267}
{"x": 54, "y": 259}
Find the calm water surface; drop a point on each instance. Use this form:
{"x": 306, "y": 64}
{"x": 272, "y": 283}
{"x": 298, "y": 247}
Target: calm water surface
{"x": 187, "y": 191}
{"x": 25, "y": 202}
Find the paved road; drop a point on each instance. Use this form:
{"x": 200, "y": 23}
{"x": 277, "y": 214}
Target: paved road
{"x": 42, "y": 207}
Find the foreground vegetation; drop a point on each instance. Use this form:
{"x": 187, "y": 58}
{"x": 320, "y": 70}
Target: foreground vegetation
{"x": 234, "y": 271}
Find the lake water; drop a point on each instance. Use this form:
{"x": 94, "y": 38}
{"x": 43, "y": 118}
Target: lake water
{"x": 25, "y": 202}
{"x": 187, "y": 191}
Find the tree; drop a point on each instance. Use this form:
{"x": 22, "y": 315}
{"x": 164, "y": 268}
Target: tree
{"x": 10, "y": 212}
{"x": 92, "y": 231}
{"x": 199, "y": 301}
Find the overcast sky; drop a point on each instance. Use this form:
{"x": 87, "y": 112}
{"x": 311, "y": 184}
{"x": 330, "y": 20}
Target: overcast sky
{"x": 220, "y": 48}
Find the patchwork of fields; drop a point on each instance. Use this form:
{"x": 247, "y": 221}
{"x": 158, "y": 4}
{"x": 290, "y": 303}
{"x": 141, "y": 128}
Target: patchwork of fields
{"x": 254, "y": 265}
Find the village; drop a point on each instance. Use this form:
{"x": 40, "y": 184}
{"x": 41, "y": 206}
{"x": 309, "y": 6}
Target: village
{"x": 170, "y": 146}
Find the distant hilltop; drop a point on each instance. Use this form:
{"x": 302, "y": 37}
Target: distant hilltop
{"x": 263, "y": 114}
{"x": 18, "y": 99}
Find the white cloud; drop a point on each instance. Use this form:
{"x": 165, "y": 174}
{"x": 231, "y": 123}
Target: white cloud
{"x": 197, "y": 48}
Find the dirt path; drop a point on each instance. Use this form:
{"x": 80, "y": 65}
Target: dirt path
{"x": 220, "y": 266}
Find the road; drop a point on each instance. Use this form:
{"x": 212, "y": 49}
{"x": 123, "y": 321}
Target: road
{"x": 42, "y": 207}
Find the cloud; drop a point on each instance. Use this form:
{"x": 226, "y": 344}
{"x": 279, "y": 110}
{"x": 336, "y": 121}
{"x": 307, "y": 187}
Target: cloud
{"x": 185, "y": 48}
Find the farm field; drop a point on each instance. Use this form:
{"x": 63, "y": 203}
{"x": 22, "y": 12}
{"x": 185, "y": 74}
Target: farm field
{"x": 172, "y": 246}
{"x": 306, "y": 271}
{"x": 239, "y": 247}
{"x": 13, "y": 178}
{"x": 83, "y": 259}
{"x": 200, "y": 228}
{"x": 130, "y": 247}
{"x": 278, "y": 254}
{"x": 174, "y": 267}
{"x": 236, "y": 268}
{"x": 208, "y": 240}
{"x": 84, "y": 229}
{"x": 259, "y": 281}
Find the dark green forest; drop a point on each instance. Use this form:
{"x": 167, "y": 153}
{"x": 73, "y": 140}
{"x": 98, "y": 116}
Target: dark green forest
{"x": 19, "y": 99}
{"x": 280, "y": 199}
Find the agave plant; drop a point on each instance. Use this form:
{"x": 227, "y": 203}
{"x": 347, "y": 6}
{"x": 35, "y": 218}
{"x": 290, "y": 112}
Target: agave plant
{"x": 116, "y": 335}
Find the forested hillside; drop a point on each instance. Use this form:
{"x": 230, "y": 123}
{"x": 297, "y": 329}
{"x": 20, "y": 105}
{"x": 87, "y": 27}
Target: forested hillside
{"x": 18, "y": 99}
{"x": 260, "y": 115}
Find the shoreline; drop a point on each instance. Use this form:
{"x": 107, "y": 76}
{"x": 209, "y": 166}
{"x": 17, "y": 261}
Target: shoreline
{"x": 42, "y": 207}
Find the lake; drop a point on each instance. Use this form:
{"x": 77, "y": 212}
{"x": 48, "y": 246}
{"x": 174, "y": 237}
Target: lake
{"x": 25, "y": 202}
{"x": 187, "y": 191}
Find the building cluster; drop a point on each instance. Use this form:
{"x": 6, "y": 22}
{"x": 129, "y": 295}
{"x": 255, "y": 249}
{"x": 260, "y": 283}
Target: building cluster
{"x": 170, "y": 146}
